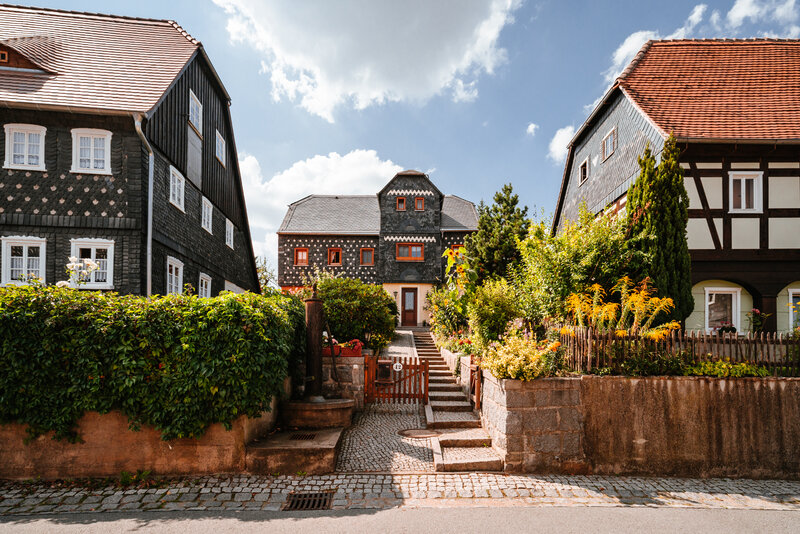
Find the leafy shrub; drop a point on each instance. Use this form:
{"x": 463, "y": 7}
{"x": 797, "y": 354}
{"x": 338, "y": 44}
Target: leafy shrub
{"x": 521, "y": 358}
{"x": 593, "y": 250}
{"x": 355, "y": 310}
{"x": 494, "y": 305}
{"x": 724, "y": 369}
{"x": 447, "y": 312}
{"x": 178, "y": 363}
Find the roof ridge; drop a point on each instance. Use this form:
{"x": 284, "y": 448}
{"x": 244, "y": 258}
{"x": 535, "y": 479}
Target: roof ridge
{"x": 727, "y": 40}
{"x": 101, "y": 16}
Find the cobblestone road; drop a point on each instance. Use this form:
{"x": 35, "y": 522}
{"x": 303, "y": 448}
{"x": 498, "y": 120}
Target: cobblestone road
{"x": 390, "y": 491}
{"x": 373, "y": 445}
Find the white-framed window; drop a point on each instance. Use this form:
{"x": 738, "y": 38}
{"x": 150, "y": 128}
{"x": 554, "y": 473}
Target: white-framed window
{"x": 745, "y": 191}
{"x": 794, "y": 308}
{"x": 204, "y": 286}
{"x": 207, "y": 216}
{"x": 23, "y": 259}
{"x": 100, "y": 251}
{"x": 174, "y": 276}
{"x": 195, "y": 112}
{"x": 91, "y": 151}
{"x": 609, "y": 143}
{"x": 221, "y": 148}
{"x": 177, "y": 184}
{"x": 722, "y": 307}
{"x": 24, "y": 147}
{"x": 229, "y": 233}
{"x": 583, "y": 171}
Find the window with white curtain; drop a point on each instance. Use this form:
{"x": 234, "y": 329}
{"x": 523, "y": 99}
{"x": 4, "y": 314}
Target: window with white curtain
{"x": 177, "y": 184}
{"x": 220, "y": 148}
{"x": 174, "y": 276}
{"x": 24, "y": 147}
{"x": 23, "y": 259}
{"x": 204, "y": 287}
{"x": 100, "y": 251}
{"x": 229, "y": 233}
{"x": 207, "y": 215}
{"x": 91, "y": 151}
{"x": 195, "y": 112}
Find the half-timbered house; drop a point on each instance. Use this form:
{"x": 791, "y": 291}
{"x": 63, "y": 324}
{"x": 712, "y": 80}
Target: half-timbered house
{"x": 118, "y": 147}
{"x": 733, "y": 106}
{"x": 395, "y": 238}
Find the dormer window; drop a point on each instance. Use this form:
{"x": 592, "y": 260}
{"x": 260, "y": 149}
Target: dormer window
{"x": 91, "y": 150}
{"x": 25, "y": 147}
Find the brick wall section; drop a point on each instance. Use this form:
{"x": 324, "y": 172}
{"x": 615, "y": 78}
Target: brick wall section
{"x": 317, "y": 245}
{"x": 179, "y": 234}
{"x": 537, "y": 426}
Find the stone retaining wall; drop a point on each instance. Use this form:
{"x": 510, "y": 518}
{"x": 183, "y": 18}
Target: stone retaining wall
{"x": 350, "y": 384}
{"x": 680, "y": 426}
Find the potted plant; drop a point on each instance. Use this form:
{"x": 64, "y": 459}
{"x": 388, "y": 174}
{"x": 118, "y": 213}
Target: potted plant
{"x": 350, "y": 349}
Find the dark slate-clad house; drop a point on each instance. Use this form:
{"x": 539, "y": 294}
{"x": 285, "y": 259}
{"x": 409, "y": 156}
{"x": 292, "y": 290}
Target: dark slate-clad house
{"x": 395, "y": 238}
{"x": 733, "y": 107}
{"x": 118, "y": 146}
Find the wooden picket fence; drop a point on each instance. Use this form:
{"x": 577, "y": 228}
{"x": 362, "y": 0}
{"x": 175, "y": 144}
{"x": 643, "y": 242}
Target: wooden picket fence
{"x": 405, "y": 386}
{"x": 587, "y": 350}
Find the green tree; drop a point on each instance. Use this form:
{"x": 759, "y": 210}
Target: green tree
{"x": 657, "y": 213}
{"x": 493, "y": 248}
{"x": 266, "y": 274}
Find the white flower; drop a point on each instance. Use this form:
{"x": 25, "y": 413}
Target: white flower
{"x": 91, "y": 264}
{"x": 62, "y": 283}
{"x": 73, "y": 259}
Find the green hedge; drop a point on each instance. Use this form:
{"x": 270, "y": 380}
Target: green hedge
{"x": 179, "y": 363}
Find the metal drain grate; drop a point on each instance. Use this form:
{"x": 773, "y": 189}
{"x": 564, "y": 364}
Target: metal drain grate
{"x": 308, "y": 501}
{"x": 302, "y": 436}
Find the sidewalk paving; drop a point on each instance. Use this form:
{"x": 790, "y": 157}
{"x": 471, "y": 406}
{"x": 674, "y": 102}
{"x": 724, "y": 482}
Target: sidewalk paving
{"x": 374, "y": 491}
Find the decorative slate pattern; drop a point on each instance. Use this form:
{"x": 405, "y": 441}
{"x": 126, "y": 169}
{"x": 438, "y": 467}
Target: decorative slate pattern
{"x": 410, "y": 192}
{"x": 413, "y": 238}
{"x": 290, "y": 274}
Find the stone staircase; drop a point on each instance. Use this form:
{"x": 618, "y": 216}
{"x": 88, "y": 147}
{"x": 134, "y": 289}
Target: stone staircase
{"x": 462, "y": 444}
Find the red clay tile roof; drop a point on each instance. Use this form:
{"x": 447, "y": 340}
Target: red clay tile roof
{"x": 725, "y": 89}
{"x": 89, "y": 61}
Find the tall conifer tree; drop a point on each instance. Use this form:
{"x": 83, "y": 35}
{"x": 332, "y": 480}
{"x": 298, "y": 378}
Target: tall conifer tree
{"x": 493, "y": 248}
{"x": 658, "y": 212}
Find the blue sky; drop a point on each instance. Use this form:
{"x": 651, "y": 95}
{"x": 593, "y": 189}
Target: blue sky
{"x": 334, "y": 97}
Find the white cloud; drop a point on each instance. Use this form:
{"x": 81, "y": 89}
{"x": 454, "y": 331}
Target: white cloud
{"x": 557, "y": 150}
{"x": 531, "y": 129}
{"x": 357, "y": 172}
{"x": 783, "y": 12}
{"x": 327, "y": 54}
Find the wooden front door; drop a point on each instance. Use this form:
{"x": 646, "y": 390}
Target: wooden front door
{"x": 409, "y": 313}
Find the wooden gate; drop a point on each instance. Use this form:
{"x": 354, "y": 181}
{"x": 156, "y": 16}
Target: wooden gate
{"x": 385, "y": 381}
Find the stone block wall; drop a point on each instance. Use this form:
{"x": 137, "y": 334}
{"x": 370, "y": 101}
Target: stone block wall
{"x": 674, "y": 426}
{"x": 350, "y": 384}
{"x": 536, "y": 426}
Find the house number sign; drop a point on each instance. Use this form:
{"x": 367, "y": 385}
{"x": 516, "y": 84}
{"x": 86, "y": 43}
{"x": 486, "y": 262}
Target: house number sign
{"x": 397, "y": 366}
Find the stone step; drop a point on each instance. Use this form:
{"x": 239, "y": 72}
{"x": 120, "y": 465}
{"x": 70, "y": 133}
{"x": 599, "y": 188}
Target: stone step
{"x": 442, "y": 379}
{"x": 454, "y": 420}
{"x": 311, "y": 451}
{"x": 443, "y": 386}
{"x": 450, "y": 406}
{"x": 455, "y": 394}
{"x": 469, "y": 459}
{"x": 464, "y": 437}
{"x": 436, "y": 372}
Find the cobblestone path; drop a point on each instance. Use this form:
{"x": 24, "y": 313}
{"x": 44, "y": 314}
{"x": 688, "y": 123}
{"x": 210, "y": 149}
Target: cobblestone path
{"x": 355, "y": 491}
{"x": 372, "y": 444}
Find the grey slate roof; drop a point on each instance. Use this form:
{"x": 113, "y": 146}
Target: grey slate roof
{"x": 333, "y": 214}
{"x": 360, "y": 215}
{"x": 458, "y": 214}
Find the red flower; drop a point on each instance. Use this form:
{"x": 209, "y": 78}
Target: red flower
{"x": 161, "y": 365}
